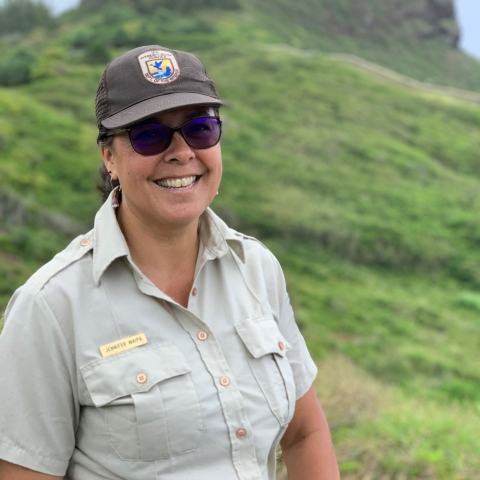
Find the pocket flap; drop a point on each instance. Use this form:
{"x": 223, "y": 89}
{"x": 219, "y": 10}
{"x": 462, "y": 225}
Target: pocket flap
{"x": 262, "y": 336}
{"x": 132, "y": 372}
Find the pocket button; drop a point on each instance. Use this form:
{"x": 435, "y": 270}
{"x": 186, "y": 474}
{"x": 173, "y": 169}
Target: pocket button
{"x": 241, "y": 433}
{"x": 202, "y": 336}
{"x": 281, "y": 346}
{"x": 141, "y": 378}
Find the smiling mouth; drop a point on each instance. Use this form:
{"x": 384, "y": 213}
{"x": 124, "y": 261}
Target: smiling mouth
{"x": 178, "y": 183}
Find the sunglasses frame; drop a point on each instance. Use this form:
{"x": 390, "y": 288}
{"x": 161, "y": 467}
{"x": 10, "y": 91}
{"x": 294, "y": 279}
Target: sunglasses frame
{"x": 171, "y": 130}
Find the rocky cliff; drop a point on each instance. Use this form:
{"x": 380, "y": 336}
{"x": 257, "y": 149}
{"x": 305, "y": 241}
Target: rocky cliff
{"x": 404, "y": 20}
{"x": 415, "y": 19}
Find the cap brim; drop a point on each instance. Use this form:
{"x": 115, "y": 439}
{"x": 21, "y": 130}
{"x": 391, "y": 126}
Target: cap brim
{"x": 155, "y": 105}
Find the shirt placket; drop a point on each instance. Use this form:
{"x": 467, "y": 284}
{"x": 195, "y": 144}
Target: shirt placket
{"x": 233, "y": 406}
{"x": 240, "y": 431}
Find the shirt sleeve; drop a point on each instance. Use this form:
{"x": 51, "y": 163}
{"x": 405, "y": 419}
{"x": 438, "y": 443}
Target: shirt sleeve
{"x": 37, "y": 376}
{"x": 303, "y": 367}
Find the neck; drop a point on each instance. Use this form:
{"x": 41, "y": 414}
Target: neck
{"x": 166, "y": 254}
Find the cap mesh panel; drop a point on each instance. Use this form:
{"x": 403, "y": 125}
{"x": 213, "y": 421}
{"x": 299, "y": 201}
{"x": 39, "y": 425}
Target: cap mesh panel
{"x": 102, "y": 107}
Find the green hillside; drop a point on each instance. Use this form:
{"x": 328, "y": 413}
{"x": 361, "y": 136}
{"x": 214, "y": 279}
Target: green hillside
{"x": 414, "y": 37}
{"x": 367, "y": 193}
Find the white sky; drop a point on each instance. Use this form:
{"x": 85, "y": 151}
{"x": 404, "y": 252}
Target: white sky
{"x": 468, "y": 16}
{"x": 59, "y": 6}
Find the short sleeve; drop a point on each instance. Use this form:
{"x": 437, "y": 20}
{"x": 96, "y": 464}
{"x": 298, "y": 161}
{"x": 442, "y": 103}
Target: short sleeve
{"x": 303, "y": 367}
{"x": 38, "y": 412}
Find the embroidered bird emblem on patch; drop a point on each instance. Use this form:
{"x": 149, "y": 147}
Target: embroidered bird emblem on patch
{"x": 159, "y": 66}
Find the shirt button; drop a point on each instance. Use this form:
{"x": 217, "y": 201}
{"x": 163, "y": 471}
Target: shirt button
{"x": 225, "y": 381}
{"x": 141, "y": 378}
{"x": 281, "y": 346}
{"x": 241, "y": 433}
{"x": 202, "y": 336}
{"x": 194, "y": 291}
{"x": 85, "y": 242}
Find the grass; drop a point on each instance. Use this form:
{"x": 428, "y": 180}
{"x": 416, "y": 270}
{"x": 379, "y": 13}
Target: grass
{"x": 382, "y": 433}
{"x": 47, "y": 156}
{"x": 404, "y": 330}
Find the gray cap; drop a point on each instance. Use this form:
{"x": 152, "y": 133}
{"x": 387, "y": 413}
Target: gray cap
{"x": 149, "y": 80}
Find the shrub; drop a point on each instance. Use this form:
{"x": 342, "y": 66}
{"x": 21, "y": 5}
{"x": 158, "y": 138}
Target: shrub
{"x": 14, "y": 72}
{"x": 82, "y": 38}
{"x": 97, "y": 52}
{"x": 49, "y": 63}
{"x": 468, "y": 300}
{"x": 147, "y": 7}
{"x": 17, "y": 69}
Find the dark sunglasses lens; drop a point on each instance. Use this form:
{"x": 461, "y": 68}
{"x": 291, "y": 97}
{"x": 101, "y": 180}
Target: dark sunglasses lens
{"x": 150, "y": 139}
{"x": 202, "y": 132}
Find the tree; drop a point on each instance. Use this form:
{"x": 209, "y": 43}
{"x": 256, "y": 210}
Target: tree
{"x": 148, "y": 7}
{"x": 18, "y": 16}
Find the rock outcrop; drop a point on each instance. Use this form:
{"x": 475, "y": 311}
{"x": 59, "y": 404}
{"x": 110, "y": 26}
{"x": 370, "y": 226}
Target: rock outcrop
{"x": 414, "y": 20}
{"x": 381, "y": 20}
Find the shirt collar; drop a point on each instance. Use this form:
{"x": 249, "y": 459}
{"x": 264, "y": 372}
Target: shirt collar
{"x": 218, "y": 237}
{"x": 109, "y": 242}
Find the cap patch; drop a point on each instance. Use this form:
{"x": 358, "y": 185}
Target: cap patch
{"x": 159, "y": 66}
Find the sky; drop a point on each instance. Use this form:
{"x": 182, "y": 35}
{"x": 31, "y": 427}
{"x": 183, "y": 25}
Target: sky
{"x": 468, "y": 16}
{"x": 59, "y": 6}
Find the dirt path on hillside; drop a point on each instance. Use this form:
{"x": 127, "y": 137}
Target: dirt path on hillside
{"x": 382, "y": 73}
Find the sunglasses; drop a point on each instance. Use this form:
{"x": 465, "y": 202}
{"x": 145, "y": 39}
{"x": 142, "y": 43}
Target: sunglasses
{"x": 153, "y": 138}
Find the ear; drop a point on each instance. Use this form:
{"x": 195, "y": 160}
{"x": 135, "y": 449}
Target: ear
{"x": 109, "y": 160}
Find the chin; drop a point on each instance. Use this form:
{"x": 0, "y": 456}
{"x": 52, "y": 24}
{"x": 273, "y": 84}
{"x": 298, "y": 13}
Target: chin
{"x": 181, "y": 216}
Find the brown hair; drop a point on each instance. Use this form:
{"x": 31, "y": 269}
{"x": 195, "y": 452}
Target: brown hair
{"x": 107, "y": 183}
{"x": 102, "y": 111}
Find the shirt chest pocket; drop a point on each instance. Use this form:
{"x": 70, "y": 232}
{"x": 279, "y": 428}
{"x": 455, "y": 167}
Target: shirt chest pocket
{"x": 149, "y": 401}
{"x": 266, "y": 349}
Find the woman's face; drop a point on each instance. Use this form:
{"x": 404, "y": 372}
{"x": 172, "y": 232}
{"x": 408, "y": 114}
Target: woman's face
{"x": 143, "y": 178}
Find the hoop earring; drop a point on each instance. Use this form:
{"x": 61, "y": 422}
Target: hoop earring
{"x": 116, "y": 196}
{"x": 116, "y": 192}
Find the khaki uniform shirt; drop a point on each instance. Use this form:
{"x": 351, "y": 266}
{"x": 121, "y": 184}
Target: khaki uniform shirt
{"x": 103, "y": 376}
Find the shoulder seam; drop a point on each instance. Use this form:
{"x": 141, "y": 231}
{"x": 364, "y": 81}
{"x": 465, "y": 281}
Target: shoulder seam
{"x": 57, "y": 264}
{"x": 248, "y": 237}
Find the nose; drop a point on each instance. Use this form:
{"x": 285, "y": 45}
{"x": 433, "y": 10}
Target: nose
{"x": 179, "y": 150}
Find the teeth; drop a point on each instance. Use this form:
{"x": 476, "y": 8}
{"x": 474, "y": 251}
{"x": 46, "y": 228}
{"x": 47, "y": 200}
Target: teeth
{"x": 177, "y": 183}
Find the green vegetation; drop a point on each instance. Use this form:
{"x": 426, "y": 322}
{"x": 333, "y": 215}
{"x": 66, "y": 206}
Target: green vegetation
{"x": 383, "y": 433}
{"x": 20, "y": 16}
{"x": 366, "y": 192}
{"x": 146, "y": 7}
{"x": 16, "y": 69}
{"x": 413, "y": 37}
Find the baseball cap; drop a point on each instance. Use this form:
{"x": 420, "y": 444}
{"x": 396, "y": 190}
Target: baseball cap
{"x": 149, "y": 80}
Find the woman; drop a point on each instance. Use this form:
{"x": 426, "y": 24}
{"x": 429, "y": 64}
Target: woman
{"x": 162, "y": 344}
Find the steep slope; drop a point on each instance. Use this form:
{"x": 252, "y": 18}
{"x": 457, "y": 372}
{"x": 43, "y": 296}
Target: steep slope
{"x": 417, "y": 38}
{"x": 412, "y": 21}
{"x": 48, "y": 165}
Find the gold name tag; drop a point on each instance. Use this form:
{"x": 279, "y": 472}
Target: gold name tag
{"x": 123, "y": 345}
